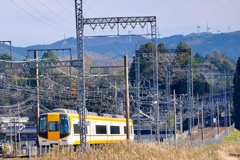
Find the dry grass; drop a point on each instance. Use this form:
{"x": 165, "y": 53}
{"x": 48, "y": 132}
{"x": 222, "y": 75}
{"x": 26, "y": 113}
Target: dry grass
{"x": 148, "y": 151}
{"x": 228, "y": 150}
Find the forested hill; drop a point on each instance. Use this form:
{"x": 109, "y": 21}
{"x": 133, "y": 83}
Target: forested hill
{"x": 203, "y": 43}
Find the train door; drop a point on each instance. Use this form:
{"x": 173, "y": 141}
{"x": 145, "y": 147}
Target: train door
{"x": 109, "y": 137}
{"x": 75, "y": 131}
{"x": 53, "y": 127}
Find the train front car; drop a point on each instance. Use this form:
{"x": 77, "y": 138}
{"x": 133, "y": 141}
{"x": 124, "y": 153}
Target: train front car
{"x": 61, "y": 127}
{"x": 54, "y": 128}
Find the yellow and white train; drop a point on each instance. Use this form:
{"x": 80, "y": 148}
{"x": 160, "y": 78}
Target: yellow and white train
{"x": 61, "y": 126}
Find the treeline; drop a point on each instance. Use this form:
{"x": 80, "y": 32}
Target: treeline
{"x": 174, "y": 63}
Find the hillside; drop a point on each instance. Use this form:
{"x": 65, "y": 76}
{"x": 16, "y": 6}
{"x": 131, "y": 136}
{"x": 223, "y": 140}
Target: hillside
{"x": 118, "y": 46}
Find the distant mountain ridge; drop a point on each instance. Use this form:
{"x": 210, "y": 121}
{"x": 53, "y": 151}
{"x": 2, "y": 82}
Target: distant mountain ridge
{"x": 203, "y": 43}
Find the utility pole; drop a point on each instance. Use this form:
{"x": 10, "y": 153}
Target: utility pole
{"x": 19, "y": 137}
{"x": 175, "y": 121}
{"x": 198, "y": 113}
{"x": 202, "y": 126}
{"x": 225, "y": 101}
{"x": 218, "y": 118}
{"x": 127, "y": 95}
{"x": 15, "y": 134}
{"x": 151, "y": 125}
{"x": 229, "y": 112}
{"x": 181, "y": 117}
{"x": 211, "y": 104}
{"x": 10, "y": 115}
{"x": 166, "y": 126}
{"x": 115, "y": 98}
{"x": 37, "y": 88}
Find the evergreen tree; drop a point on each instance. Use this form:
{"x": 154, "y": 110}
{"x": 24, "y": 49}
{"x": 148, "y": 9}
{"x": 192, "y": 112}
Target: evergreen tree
{"x": 161, "y": 48}
{"x": 5, "y": 56}
{"x": 49, "y": 56}
{"x": 236, "y": 95}
{"x": 147, "y": 48}
{"x": 199, "y": 58}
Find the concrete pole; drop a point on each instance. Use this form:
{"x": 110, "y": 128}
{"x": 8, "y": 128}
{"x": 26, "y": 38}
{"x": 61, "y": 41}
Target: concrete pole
{"x": 166, "y": 127}
{"x": 37, "y": 88}
{"x": 175, "y": 121}
{"x": 11, "y": 50}
{"x": 181, "y": 119}
{"x": 10, "y": 114}
{"x": 115, "y": 98}
{"x": 15, "y": 134}
{"x": 218, "y": 119}
{"x": 151, "y": 125}
{"x": 127, "y": 95}
{"x": 229, "y": 116}
{"x": 19, "y": 137}
{"x": 202, "y": 123}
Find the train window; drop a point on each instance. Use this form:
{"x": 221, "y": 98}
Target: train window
{"x": 53, "y": 126}
{"x": 76, "y": 129}
{"x": 115, "y": 129}
{"x": 64, "y": 124}
{"x": 100, "y": 129}
{"x": 43, "y": 123}
{"x": 125, "y": 129}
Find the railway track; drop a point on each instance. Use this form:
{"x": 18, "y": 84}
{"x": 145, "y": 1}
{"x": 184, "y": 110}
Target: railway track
{"x": 207, "y": 133}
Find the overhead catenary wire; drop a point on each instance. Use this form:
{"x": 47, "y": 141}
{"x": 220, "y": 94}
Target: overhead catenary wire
{"x": 36, "y": 17}
{"x": 15, "y": 105}
{"x": 65, "y": 8}
{"x": 71, "y": 3}
{"x": 55, "y": 13}
{"x": 106, "y": 46}
{"x": 15, "y": 55}
{"x": 50, "y": 20}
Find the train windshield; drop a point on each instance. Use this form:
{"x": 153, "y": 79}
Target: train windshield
{"x": 64, "y": 126}
{"x": 43, "y": 126}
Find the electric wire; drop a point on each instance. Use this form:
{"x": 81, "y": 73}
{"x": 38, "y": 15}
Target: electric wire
{"x": 55, "y": 13}
{"x": 106, "y": 46}
{"x": 15, "y": 105}
{"x": 36, "y": 17}
{"x": 71, "y": 3}
{"x": 46, "y": 17}
{"x": 65, "y": 8}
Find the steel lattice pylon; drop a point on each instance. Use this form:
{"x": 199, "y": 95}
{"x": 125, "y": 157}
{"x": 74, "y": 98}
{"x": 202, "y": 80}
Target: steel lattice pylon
{"x": 110, "y": 22}
{"x": 81, "y": 74}
{"x": 190, "y": 92}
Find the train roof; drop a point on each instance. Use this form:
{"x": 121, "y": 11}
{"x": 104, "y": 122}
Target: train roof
{"x": 70, "y": 111}
{"x": 61, "y": 110}
{"x": 89, "y": 114}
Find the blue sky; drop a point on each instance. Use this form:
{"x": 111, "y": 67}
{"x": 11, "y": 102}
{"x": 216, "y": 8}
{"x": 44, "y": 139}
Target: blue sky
{"x": 29, "y": 22}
